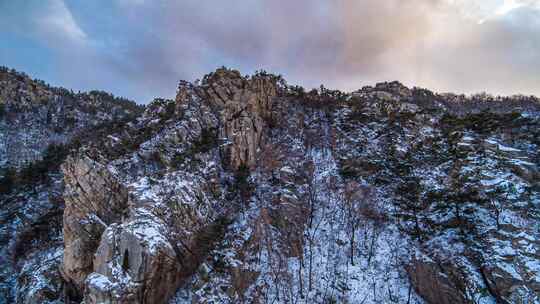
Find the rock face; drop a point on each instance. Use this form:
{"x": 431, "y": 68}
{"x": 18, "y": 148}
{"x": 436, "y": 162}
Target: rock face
{"x": 246, "y": 190}
{"x": 434, "y": 285}
{"x": 134, "y": 263}
{"x": 245, "y": 108}
{"x": 94, "y": 199}
{"x": 509, "y": 275}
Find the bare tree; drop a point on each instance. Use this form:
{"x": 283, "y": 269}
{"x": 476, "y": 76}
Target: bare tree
{"x": 359, "y": 203}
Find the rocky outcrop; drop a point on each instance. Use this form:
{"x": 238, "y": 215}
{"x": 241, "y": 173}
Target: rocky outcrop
{"x": 126, "y": 240}
{"x": 245, "y": 108}
{"x": 437, "y": 284}
{"x": 94, "y": 199}
{"x": 134, "y": 263}
{"x": 507, "y": 272}
{"x": 112, "y": 254}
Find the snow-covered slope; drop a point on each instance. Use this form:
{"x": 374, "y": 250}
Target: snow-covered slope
{"x": 34, "y": 115}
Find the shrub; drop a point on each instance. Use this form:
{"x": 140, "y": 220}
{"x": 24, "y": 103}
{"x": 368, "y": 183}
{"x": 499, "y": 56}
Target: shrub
{"x": 242, "y": 184}
{"x": 7, "y": 182}
{"x": 39, "y": 233}
{"x": 178, "y": 160}
{"x": 206, "y": 142}
{"x": 36, "y": 171}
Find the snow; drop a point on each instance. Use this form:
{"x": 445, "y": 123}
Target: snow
{"x": 501, "y": 147}
{"x": 522, "y": 162}
{"x": 333, "y": 274}
{"x": 534, "y": 267}
{"x": 113, "y": 138}
{"x": 504, "y": 249}
{"x": 146, "y": 227}
{"x": 509, "y": 269}
{"x": 495, "y": 181}
{"x": 99, "y": 281}
{"x": 287, "y": 169}
{"x": 508, "y": 149}
{"x": 144, "y": 188}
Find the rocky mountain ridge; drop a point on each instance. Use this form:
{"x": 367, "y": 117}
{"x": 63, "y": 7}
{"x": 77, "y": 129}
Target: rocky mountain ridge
{"x": 39, "y": 125}
{"x": 247, "y": 190}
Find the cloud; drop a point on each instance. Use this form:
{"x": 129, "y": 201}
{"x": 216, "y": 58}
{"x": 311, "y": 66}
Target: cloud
{"x": 144, "y": 47}
{"x": 130, "y": 2}
{"x": 57, "y": 24}
{"x": 346, "y": 44}
{"x": 459, "y": 54}
{"x": 510, "y": 5}
{"x": 49, "y": 21}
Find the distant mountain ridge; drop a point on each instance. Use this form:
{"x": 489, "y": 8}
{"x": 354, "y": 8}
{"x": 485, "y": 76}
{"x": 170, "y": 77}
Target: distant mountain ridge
{"x": 34, "y": 115}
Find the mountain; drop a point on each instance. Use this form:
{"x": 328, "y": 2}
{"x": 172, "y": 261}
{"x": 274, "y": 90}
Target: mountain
{"x": 247, "y": 190}
{"x": 39, "y": 125}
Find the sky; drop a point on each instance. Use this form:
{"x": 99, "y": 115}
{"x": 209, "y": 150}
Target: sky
{"x": 140, "y": 49}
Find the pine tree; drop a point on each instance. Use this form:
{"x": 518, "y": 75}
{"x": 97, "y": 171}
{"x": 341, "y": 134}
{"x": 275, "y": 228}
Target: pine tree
{"x": 8, "y": 181}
